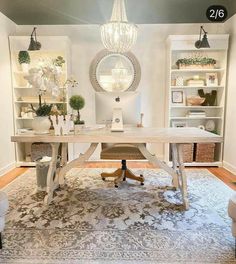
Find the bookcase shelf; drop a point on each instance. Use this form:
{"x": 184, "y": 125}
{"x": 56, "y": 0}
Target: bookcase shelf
{"x": 196, "y": 70}
{"x": 197, "y": 117}
{"x": 196, "y": 87}
{"x": 187, "y": 82}
{"x": 24, "y": 94}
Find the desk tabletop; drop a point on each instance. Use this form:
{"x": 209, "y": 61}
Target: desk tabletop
{"x": 130, "y": 135}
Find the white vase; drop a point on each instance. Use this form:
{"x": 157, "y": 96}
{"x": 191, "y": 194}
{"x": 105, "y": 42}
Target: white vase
{"x": 78, "y": 128}
{"x": 25, "y": 67}
{"x": 41, "y": 124}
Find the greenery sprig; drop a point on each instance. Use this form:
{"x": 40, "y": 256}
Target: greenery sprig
{"x": 59, "y": 61}
{"x": 196, "y": 61}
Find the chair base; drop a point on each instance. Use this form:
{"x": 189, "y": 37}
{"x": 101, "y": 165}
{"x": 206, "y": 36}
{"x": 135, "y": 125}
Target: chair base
{"x": 122, "y": 174}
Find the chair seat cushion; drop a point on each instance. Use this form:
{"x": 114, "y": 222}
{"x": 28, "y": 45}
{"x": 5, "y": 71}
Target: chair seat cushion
{"x": 122, "y": 152}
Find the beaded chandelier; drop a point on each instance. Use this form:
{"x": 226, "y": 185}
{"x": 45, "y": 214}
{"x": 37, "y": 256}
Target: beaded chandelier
{"x": 118, "y": 35}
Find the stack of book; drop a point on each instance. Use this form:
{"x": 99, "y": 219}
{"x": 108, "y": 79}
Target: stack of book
{"x": 195, "y": 82}
{"x": 196, "y": 113}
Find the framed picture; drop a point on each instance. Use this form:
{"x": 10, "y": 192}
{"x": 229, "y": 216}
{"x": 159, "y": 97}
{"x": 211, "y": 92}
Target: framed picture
{"x": 178, "y": 97}
{"x": 211, "y": 79}
{"x": 179, "y": 124}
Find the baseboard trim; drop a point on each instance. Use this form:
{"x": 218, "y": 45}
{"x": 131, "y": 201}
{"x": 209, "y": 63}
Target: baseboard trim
{"x": 7, "y": 168}
{"x": 229, "y": 167}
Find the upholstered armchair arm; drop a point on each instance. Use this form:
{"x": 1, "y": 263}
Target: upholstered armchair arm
{"x": 232, "y": 213}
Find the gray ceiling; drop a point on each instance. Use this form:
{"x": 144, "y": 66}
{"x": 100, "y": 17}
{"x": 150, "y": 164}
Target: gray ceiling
{"x": 64, "y": 12}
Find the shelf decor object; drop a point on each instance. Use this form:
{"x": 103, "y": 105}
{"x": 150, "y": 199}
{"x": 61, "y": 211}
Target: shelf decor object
{"x": 195, "y": 100}
{"x": 211, "y": 79}
{"x": 179, "y": 81}
{"x": 118, "y": 35}
{"x": 178, "y": 97}
{"x": 196, "y": 63}
{"x": 210, "y": 98}
{"x": 204, "y": 73}
{"x": 202, "y": 43}
{"x": 24, "y": 60}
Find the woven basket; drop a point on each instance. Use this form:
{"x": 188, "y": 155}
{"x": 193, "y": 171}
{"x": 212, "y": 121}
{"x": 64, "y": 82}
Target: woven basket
{"x": 205, "y": 152}
{"x": 187, "y": 152}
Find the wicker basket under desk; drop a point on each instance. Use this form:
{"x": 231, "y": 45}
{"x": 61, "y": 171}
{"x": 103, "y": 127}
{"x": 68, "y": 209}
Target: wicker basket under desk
{"x": 187, "y": 153}
{"x": 205, "y": 152}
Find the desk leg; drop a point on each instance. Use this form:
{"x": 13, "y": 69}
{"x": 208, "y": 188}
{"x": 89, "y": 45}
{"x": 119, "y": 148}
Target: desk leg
{"x": 63, "y": 162}
{"x": 175, "y": 180}
{"x": 156, "y": 162}
{"x": 79, "y": 161}
{"x": 182, "y": 174}
{"x": 52, "y": 177}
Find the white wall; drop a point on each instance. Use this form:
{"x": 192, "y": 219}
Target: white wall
{"x": 7, "y": 152}
{"x": 230, "y": 128}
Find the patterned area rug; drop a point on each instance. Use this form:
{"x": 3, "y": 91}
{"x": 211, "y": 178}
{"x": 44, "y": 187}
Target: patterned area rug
{"x": 90, "y": 221}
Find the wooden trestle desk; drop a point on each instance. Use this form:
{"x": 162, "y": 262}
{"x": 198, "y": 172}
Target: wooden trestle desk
{"x": 175, "y": 136}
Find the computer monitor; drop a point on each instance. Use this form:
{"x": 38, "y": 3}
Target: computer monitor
{"x": 129, "y": 102}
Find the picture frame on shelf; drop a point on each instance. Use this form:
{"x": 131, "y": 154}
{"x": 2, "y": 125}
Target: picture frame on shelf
{"x": 211, "y": 79}
{"x": 178, "y": 97}
{"x": 179, "y": 124}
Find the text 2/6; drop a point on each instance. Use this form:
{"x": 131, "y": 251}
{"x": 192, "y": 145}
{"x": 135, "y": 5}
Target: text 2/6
{"x": 216, "y": 13}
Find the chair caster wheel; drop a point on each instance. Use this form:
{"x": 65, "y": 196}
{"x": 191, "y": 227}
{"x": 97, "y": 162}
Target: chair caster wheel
{"x": 124, "y": 179}
{"x": 142, "y": 183}
{"x": 116, "y": 186}
{"x": 103, "y": 179}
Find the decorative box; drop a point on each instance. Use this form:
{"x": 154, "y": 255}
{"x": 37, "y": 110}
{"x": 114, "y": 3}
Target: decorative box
{"x": 179, "y": 81}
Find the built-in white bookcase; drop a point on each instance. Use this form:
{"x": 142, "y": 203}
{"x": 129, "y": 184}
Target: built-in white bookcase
{"x": 23, "y": 94}
{"x": 182, "y": 46}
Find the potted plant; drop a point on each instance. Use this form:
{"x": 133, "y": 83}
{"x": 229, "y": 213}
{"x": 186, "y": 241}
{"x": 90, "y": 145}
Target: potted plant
{"x": 41, "y": 123}
{"x": 24, "y": 60}
{"x": 196, "y": 63}
{"x": 43, "y": 79}
{"x": 77, "y": 102}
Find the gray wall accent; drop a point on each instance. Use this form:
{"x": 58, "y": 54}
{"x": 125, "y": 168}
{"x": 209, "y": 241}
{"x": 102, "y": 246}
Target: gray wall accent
{"x": 69, "y": 12}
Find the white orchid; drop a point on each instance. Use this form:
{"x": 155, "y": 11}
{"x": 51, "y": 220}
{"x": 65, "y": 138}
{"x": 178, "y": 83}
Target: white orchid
{"x": 44, "y": 78}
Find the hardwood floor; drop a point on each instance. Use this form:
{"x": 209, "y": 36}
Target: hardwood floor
{"x": 227, "y": 177}
{"x": 10, "y": 176}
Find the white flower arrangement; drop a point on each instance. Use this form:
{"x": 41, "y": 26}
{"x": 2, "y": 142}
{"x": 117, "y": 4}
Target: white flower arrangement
{"x": 44, "y": 78}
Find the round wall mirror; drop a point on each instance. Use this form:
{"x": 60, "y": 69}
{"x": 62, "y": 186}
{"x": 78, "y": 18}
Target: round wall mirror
{"x": 114, "y": 72}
